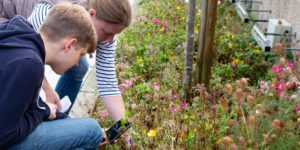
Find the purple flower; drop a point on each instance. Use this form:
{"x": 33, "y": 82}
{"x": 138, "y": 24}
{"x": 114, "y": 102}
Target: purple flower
{"x": 183, "y": 105}
{"x": 131, "y": 141}
{"x": 156, "y": 22}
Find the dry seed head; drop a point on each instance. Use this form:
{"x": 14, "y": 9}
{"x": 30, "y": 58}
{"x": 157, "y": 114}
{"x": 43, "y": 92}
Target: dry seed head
{"x": 239, "y": 93}
{"x": 238, "y": 83}
{"x": 227, "y": 140}
{"x": 273, "y": 137}
{"x": 230, "y": 122}
{"x": 278, "y": 49}
{"x": 252, "y": 121}
{"x": 250, "y": 99}
{"x": 259, "y": 106}
{"x": 233, "y": 147}
{"x": 282, "y": 61}
{"x": 229, "y": 88}
{"x": 259, "y": 109}
{"x": 277, "y": 124}
{"x": 298, "y": 120}
{"x": 242, "y": 140}
{"x": 244, "y": 81}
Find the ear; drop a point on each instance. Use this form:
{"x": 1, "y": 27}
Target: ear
{"x": 69, "y": 43}
{"x": 92, "y": 12}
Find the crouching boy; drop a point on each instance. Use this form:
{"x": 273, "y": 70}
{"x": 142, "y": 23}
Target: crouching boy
{"x": 26, "y": 122}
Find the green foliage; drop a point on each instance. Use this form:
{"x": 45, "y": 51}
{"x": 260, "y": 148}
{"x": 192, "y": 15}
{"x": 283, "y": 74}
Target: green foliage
{"x": 150, "y": 60}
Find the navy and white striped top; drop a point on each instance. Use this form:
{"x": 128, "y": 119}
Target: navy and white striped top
{"x": 105, "y": 55}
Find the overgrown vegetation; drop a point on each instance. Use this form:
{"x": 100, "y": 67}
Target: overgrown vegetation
{"x": 253, "y": 103}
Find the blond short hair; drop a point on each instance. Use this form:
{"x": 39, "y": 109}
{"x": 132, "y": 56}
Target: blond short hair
{"x": 112, "y": 11}
{"x": 70, "y": 20}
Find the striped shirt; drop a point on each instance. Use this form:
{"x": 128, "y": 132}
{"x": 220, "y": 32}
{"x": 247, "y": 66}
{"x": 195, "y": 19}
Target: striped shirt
{"x": 105, "y": 55}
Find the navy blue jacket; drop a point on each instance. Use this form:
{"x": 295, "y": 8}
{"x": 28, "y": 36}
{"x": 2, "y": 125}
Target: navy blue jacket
{"x": 22, "y": 59}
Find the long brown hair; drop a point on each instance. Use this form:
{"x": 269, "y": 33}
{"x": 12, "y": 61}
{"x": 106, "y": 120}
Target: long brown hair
{"x": 112, "y": 11}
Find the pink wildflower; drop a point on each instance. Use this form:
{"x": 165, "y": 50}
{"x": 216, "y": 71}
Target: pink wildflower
{"x": 156, "y": 22}
{"x": 280, "y": 86}
{"x": 125, "y": 84}
{"x": 176, "y": 95}
{"x": 174, "y": 110}
{"x": 103, "y": 112}
{"x": 277, "y": 68}
{"x": 290, "y": 64}
{"x": 297, "y": 108}
{"x": 263, "y": 86}
{"x": 142, "y": 18}
{"x": 156, "y": 86}
{"x": 164, "y": 24}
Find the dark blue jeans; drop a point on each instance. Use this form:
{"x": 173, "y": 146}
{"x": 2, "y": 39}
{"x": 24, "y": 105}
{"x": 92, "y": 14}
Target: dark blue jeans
{"x": 70, "y": 82}
{"x": 65, "y": 134}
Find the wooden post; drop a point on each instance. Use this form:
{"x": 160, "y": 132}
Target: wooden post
{"x": 201, "y": 41}
{"x": 189, "y": 52}
{"x": 209, "y": 41}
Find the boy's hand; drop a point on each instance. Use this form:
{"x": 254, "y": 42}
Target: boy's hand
{"x": 52, "y": 97}
{"x": 52, "y": 111}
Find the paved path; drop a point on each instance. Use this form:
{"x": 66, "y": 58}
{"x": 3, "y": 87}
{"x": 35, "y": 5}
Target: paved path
{"x": 87, "y": 96}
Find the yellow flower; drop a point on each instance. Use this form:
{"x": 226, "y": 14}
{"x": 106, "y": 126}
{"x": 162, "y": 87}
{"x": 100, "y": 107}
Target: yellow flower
{"x": 219, "y": 141}
{"x": 230, "y": 45}
{"x": 257, "y": 51}
{"x": 152, "y": 133}
{"x": 233, "y": 36}
{"x": 228, "y": 35}
{"x": 139, "y": 60}
{"x": 199, "y": 13}
{"x": 208, "y": 127}
{"x": 236, "y": 61}
{"x": 178, "y": 8}
{"x": 185, "y": 116}
{"x": 182, "y": 18}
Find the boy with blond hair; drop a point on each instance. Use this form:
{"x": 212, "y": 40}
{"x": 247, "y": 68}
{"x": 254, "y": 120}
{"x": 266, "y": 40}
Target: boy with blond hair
{"x": 26, "y": 122}
{"x": 110, "y": 17}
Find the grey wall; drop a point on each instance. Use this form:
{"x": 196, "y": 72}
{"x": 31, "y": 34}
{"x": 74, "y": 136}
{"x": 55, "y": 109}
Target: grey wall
{"x": 281, "y": 9}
